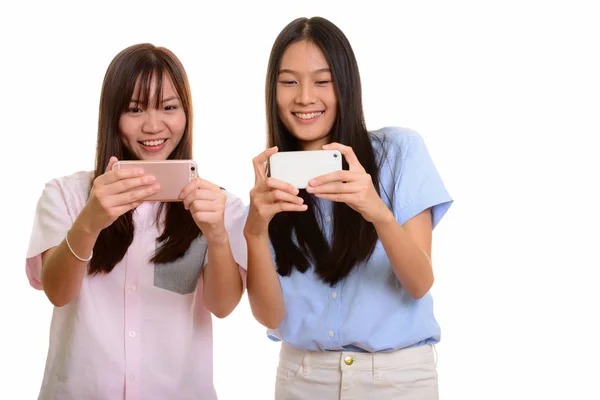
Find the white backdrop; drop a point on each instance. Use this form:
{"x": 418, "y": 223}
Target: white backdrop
{"x": 505, "y": 94}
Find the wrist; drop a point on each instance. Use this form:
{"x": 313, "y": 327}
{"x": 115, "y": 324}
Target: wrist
{"x": 216, "y": 236}
{"x": 83, "y": 226}
{"x": 255, "y": 227}
{"x": 383, "y": 217}
{"x": 252, "y": 232}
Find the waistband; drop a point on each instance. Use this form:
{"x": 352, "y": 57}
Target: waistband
{"x": 358, "y": 360}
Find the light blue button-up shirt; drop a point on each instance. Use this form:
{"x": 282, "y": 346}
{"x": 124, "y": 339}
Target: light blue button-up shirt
{"x": 369, "y": 309}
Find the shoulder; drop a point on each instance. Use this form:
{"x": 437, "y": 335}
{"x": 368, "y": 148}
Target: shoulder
{"x": 78, "y": 181}
{"x": 72, "y": 188}
{"x": 397, "y": 141}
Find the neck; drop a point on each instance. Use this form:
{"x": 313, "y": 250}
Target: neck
{"x": 315, "y": 144}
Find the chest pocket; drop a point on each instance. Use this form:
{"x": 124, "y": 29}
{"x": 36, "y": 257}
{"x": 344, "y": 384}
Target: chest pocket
{"x": 181, "y": 276}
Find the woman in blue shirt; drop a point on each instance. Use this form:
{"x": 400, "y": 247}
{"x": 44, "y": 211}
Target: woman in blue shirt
{"x": 341, "y": 272}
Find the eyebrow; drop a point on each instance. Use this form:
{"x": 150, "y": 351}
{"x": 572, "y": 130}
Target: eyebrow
{"x": 289, "y": 71}
{"x": 136, "y": 101}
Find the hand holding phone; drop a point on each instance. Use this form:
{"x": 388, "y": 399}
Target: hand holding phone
{"x": 269, "y": 196}
{"x": 206, "y": 202}
{"x": 171, "y": 175}
{"x": 114, "y": 193}
{"x": 354, "y": 187}
{"x": 298, "y": 167}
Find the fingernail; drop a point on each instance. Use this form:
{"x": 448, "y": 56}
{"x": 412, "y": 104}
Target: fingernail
{"x": 313, "y": 182}
{"x": 150, "y": 179}
{"x": 296, "y": 191}
{"x": 181, "y": 195}
{"x": 139, "y": 172}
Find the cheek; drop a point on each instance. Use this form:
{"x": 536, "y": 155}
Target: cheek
{"x": 177, "y": 124}
{"x": 126, "y": 129}
{"x": 332, "y": 106}
{"x": 284, "y": 98}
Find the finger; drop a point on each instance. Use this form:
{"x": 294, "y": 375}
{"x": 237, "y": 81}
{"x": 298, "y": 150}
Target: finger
{"x": 199, "y": 194}
{"x": 125, "y": 185}
{"x": 206, "y": 216}
{"x": 205, "y": 206}
{"x": 337, "y": 197}
{"x": 335, "y": 188}
{"x": 348, "y": 154}
{"x": 284, "y": 206}
{"x": 336, "y": 176}
{"x": 116, "y": 175}
{"x": 198, "y": 183}
{"x": 259, "y": 164}
{"x": 111, "y": 162}
{"x": 272, "y": 183}
{"x": 133, "y": 196}
{"x": 279, "y": 195}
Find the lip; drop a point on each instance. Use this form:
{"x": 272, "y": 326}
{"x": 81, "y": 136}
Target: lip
{"x": 154, "y": 149}
{"x": 307, "y": 121}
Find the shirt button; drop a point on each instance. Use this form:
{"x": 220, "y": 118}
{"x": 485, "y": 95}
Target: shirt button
{"x": 132, "y": 287}
{"x": 331, "y": 334}
{"x": 328, "y": 218}
{"x": 349, "y": 360}
{"x": 132, "y": 334}
{"x": 334, "y": 295}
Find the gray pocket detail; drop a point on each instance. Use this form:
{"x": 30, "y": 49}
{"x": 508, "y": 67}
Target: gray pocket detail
{"x": 181, "y": 276}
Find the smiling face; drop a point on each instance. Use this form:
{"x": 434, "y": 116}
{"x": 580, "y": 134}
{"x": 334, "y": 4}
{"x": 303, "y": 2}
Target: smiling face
{"x": 151, "y": 129}
{"x": 306, "y": 97}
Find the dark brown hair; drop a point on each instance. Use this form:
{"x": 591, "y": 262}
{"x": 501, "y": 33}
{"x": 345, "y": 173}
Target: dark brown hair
{"x": 145, "y": 62}
{"x": 353, "y": 238}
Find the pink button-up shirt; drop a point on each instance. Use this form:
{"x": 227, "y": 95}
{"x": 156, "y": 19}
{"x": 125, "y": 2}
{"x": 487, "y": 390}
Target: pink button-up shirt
{"x": 140, "y": 332}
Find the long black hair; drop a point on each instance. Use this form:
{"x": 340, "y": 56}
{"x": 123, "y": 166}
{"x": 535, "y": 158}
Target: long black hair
{"x": 353, "y": 237}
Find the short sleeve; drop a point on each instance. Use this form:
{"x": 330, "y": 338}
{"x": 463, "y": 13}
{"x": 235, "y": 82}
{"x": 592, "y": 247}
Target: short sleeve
{"x": 235, "y": 219}
{"x": 50, "y": 226}
{"x": 419, "y": 185}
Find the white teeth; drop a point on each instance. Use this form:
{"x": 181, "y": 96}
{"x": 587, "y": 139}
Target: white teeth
{"x": 308, "y": 116}
{"x": 153, "y": 142}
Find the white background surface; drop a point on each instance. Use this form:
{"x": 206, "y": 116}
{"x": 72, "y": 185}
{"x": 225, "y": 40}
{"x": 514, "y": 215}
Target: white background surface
{"x": 505, "y": 94}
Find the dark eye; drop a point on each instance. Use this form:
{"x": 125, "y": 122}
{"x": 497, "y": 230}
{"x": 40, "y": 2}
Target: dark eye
{"x": 134, "y": 110}
{"x": 288, "y": 82}
{"x": 323, "y": 82}
{"x": 170, "y": 108}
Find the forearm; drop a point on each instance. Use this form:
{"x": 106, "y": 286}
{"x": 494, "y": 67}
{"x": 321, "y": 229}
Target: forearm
{"x": 222, "y": 287}
{"x": 411, "y": 265}
{"x": 264, "y": 289}
{"x": 62, "y": 272}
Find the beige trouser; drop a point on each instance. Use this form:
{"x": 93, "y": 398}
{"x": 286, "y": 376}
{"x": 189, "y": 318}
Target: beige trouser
{"x": 408, "y": 374}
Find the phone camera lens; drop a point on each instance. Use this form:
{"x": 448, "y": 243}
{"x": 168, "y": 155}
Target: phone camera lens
{"x": 334, "y": 155}
{"x": 193, "y": 168}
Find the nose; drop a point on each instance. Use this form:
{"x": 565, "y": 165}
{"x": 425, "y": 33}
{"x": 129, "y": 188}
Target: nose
{"x": 153, "y": 122}
{"x": 305, "y": 95}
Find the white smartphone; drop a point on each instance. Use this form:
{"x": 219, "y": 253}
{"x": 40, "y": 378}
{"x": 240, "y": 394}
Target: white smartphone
{"x": 298, "y": 167}
{"x": 172, "y": 175}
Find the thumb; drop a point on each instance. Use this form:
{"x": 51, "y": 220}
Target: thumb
{"x": 111, "y": 162}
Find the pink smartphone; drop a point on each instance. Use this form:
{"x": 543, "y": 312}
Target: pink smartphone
{"x": 172, "y": 175}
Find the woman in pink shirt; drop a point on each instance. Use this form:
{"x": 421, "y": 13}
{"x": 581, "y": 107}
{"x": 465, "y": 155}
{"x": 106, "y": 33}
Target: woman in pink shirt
{"x": 134, "y": 283}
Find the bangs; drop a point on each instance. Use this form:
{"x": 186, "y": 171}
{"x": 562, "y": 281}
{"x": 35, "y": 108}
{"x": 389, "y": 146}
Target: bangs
{"x": 150, "y": 87}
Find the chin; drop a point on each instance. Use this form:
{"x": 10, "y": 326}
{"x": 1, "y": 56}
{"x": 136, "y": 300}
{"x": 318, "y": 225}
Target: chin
{"x": 310, "y": 136}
